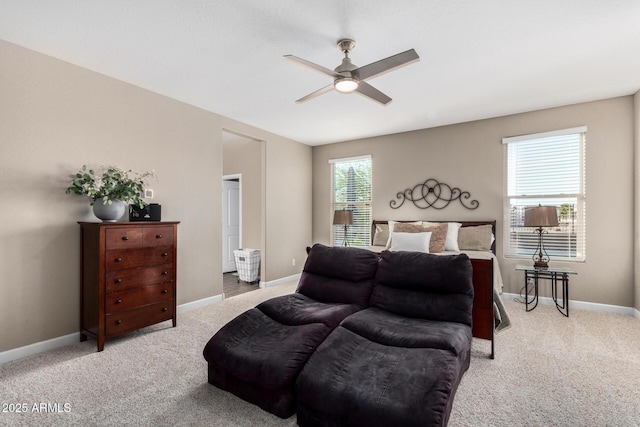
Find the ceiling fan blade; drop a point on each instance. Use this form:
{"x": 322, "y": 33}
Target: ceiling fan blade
{"x": 385, "y": 65}
{"x": 369, "y": 91}
{"x": 313, "y": 66}
{"x": 315, "y": 94}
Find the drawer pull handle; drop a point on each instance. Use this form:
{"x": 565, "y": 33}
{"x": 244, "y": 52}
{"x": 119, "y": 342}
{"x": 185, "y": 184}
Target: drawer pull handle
{"x": 118, "y": 280}
{"x": 125, "y": 238}
{"x": 164, "y": 291}
{"x": 164, "y": 273}
{"x": 165, "y": 309}
{"x": 165, "y": 254}
{"x": 118, "y": 322}
{"x": 118, "y": 259}
{"x": 118, "y": 301}
{"x": 158, "y": 236}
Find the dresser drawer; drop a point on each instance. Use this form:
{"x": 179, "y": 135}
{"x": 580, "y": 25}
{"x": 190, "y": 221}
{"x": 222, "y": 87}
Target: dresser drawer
{"x": 132, "y": 258}
{"x": 127, "y": 321}
{"x": 118, "y": 280}
{"x": 136, "y": 297}
{"x": 157, "y": 236}
{"x": 123, "y": 237}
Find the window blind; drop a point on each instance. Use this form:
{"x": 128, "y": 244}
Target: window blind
{"x": 351, "y": 190}
{"x": 546, "y": 169}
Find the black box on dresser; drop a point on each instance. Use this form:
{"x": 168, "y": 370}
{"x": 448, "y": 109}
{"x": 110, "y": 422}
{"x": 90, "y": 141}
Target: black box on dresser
{"x": 150, "y": 212}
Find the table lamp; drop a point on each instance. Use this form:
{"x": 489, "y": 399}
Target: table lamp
{"x": 343, "y": 217}
{"x": 541, "y": 216}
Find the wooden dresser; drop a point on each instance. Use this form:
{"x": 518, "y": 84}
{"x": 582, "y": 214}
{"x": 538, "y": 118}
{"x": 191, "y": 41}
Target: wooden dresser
{"x": 128, "y": 273}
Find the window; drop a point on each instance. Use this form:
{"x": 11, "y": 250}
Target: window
{"x": 546, "y": 169}
{"x": 351, "y": 189}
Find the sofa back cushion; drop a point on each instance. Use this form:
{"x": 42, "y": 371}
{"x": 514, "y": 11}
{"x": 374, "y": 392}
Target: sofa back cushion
{"x": 338, "y": 274}
{"x": 426, "y": 286}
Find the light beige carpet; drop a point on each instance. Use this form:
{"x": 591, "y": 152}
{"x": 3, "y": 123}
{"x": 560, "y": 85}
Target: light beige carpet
{"x": 548, "y": 371}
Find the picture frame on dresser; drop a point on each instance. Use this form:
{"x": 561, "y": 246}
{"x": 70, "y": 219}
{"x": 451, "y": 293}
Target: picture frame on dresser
{"x": 128, "y": 277}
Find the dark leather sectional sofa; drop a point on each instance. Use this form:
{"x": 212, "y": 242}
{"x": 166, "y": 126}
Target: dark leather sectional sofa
{"x": 366, "y": 339}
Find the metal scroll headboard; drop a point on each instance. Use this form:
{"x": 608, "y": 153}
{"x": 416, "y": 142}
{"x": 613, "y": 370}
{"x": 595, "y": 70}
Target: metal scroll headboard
{"x": 433, "y": 194}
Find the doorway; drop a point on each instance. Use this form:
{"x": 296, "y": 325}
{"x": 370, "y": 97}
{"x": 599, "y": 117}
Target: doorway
{"x": 242, "y": 185}
{"x": 232, "y": 235}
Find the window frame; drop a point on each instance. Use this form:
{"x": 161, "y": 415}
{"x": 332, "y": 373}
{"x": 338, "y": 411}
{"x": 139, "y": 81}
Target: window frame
{"x": 577, "y": 217}
{"x": 363, "y": 230}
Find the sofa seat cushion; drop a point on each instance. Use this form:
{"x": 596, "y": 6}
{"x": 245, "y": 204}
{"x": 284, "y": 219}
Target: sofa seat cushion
{"x": 399, "y": 331}
{"x": 351, "y": 380}
{"x": 258, "y": 350}
{"x": 298, "y": 309}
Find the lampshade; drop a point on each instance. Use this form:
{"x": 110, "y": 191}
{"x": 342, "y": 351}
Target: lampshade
{"x": 541, "y": 216}
{"x": 345, "y": 84}
{"x": 343, "y": 217}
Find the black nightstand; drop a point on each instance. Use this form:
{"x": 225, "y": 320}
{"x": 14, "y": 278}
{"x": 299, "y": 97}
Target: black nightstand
{"x": 555, "y": 275}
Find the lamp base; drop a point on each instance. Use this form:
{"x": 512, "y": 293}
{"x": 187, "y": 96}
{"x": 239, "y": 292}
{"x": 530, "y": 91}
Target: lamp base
{"x": 346, "y": 242}
{"x": 540, "y": 259}
{"x": 541, "y": 265}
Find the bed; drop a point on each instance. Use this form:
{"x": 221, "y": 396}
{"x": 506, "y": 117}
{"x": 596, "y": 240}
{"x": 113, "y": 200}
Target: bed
{"x": 489, "y": 314}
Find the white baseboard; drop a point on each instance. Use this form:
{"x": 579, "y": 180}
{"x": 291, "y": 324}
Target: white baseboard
{"x": 199, "y": 303}
{"x": 583, "y": 305}
{"x": 38, "y": 347}
{"x": 295, "y": 277}
{"x": 636, "y": 313}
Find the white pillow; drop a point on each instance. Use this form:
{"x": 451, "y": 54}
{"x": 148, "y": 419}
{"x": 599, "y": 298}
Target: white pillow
{"x": 412, "y": 242}
{"x": 391, "y": 224}
{"x": 451, "y": 244}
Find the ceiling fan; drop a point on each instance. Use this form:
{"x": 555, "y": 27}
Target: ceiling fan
{"x": 348, "y": 78}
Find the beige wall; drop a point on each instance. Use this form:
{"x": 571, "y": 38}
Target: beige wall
{"x": 471, "y": 156}
{"x": 288, "y": 196}
{"x": 55, "y": 117}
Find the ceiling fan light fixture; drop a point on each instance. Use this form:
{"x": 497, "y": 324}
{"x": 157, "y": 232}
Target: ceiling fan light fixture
{"x": 346, "y": 84}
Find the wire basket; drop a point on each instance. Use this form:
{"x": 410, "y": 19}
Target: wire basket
{"x": 247, "y": 264}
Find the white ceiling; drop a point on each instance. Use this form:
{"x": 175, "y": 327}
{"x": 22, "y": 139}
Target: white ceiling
{"x": 479, "y": 58}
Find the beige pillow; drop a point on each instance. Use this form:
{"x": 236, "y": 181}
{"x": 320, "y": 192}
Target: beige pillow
{"x": 391, "y": 225}
{"x": 452, "y": 235}
{"x": 476, "y": 238}
{"x": 438, "y": 233}
{"x": 382, "y": 235}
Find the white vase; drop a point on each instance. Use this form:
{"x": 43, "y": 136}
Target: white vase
{"x": 109, "y": 212}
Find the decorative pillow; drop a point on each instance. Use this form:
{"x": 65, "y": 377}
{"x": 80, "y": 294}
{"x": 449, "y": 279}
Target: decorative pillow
{"x": 438, "y": 234}
{"x": 451, "y": 244}
{"x": 411, "y": 242}
{"x": 391, "y": 225}
{"x": 478, "y": 238}
{"x": 382, "y": 235}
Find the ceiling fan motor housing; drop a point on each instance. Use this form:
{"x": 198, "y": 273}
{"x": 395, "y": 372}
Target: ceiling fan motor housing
{"x": 350, "y": 81}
